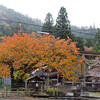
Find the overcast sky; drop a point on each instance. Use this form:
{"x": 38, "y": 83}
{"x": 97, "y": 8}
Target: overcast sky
{"x": 80, "y": 12}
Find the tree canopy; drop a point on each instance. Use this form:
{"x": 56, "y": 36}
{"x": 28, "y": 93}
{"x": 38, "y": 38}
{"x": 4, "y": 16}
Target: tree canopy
{"x": 27, "y": 52}
{"x": 48, "y": 25}
{"x": 80, "y": 43}
{"x": 88, "y": 42}
{"x": 62, "y": 27}
{"x": 97, "y": 41}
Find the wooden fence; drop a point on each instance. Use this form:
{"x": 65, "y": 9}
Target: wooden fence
{"x": 17, "y": 92}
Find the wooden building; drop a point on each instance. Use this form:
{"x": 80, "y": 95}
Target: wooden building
{"x": 33, "y": 83}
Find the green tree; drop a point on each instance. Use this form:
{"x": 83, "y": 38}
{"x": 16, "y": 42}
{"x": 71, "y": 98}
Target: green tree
{"x": 62, "y": 27}
{"x": 80, "y": 43}
{"x": 1, "y": 34}
{"x": 96, "y": 46}
{"x": 88, "y": 42}
{"x": 97, "y": 36}
{"x": 16, "y": 28}
{"x": 48, "y": 25}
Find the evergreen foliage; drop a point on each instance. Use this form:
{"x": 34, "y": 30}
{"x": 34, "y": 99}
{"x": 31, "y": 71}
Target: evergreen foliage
{"x": 97, "y": 47}
{"x": 97, "y": 41}
{"x": 80, "y": 43}
{"x": 88, "y": 42}
{"x": 97, "y": 36}
{"x": 48, "y": 25}
{"x": 62, "y": 27}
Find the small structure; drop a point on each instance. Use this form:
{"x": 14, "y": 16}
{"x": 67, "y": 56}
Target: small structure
{"x": 90, "y": 62}
{"x": 33, "y": 83}
{"x": 7, "y": 81}
{"x": 36, "y": 83}
{"x": 81, "y": 91}
{"x": 54, "y": 76}
{"x": 93, "y": 74}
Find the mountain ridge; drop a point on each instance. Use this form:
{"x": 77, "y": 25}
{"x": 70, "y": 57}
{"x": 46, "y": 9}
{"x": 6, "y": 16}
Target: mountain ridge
{"x": 10, "y": 18}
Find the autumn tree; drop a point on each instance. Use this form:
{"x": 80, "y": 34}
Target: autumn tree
{"x": 26, "y": 52}
{"x": 19, "y": 52}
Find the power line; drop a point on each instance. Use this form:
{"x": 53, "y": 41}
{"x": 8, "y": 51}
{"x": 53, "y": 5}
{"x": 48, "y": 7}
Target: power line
{"x": 28, "y": 31}
{"x": 82, "y": 32}
{"x": 17, "y": 28}
{"x": 78, "y": 31}
{"x": 20, "y": 22}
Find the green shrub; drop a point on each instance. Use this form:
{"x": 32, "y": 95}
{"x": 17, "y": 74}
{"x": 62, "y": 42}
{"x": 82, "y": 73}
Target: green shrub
{"x": 60, "y": 92}
{"x": 50, "y": 91}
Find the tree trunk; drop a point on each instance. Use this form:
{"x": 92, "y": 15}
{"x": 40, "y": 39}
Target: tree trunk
{"x": 63, "y": 85}
{"x": 12, "y": 76}
{"x": 57, "y": 83}
{"x": 48, "y": 79}
{"x": 48, "y": 82}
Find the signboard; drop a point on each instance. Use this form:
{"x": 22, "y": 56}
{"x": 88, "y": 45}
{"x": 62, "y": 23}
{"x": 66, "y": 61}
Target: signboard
{"x": 7, "y": 81}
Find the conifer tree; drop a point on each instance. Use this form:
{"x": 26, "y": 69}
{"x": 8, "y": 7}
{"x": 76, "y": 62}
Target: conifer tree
{"x": 80, "y": 43}
{"x": 48, "y": 25}
{"x": 62, "y": 27}
{"x": 97, "y": 41}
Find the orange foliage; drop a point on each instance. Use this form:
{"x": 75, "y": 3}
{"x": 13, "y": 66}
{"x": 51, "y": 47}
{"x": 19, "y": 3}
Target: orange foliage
{"x": 29, "y": 51}
{"x": 4, "y": 70}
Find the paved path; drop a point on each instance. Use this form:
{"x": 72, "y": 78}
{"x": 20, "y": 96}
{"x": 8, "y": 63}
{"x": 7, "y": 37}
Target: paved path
{"x": 26, "y": 99}
{"x": 18, "y": 99}
{"x": 43, "y": 99}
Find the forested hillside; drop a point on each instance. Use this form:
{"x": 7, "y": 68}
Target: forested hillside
{"x": 84, "y": 32}
{"x": 11, "y": 22}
